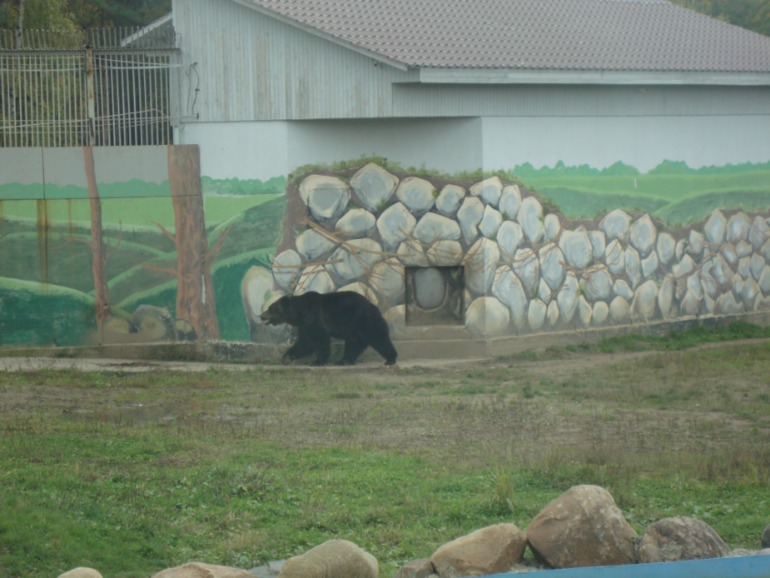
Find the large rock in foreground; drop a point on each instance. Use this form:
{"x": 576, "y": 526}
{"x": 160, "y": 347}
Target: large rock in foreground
{"x": 680, "y": 538}
{"x": 582, "y": 527}
{"x": 81, "y": 572}
{"x": 199, "y": 570}
{"x": 332, "y": 559}
{"x": 491, "y": 550}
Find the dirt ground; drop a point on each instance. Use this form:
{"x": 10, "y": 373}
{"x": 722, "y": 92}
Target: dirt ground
{"x": 612, "y": 403}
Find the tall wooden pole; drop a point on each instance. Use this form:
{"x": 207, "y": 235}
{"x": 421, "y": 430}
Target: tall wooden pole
{"x": 195, "y": 293}
{"x": 98, "y": 255}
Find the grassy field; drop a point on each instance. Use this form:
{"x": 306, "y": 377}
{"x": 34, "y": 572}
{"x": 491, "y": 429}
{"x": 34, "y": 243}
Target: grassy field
{"x": 135, "y": 470}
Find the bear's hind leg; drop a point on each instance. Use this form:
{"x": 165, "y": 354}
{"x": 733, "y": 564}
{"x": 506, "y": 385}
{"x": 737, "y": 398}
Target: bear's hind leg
{"x": 384, "y": 347}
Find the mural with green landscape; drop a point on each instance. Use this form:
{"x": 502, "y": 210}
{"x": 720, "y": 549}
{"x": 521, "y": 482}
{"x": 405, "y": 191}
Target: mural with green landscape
{"x": 46, "y": 282}
{"x": 672, "y": 192}
{"x": 47, "y": 294}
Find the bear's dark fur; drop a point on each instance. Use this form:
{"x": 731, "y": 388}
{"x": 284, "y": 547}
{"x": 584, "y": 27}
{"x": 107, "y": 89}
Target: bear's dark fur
{"x": 318, "y": 317}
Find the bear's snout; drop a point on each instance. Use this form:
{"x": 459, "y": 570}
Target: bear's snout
{"x": 268, "y": 318}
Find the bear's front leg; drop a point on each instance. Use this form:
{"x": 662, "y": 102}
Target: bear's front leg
{"x": 301, "y": 348}
{"x": 323, "y": 346}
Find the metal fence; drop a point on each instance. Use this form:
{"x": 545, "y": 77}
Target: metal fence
{"x": 108, "y": 87}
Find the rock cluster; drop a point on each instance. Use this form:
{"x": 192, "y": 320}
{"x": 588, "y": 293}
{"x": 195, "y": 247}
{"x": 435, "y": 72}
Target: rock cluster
{"x": 525, "y": 269}
{"x": 582, "y": 527}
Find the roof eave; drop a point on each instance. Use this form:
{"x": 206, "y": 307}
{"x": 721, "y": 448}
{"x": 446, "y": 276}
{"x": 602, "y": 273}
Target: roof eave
{"x": 325, "y": 35}
{"x": 429, "y": 75}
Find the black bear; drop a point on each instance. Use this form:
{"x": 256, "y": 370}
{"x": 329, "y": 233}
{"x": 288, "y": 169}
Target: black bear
{"x": 318, "y": 317}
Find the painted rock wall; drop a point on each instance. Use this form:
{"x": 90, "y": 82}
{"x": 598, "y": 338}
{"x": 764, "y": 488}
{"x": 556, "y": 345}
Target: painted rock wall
{"x": 524, "y": 269}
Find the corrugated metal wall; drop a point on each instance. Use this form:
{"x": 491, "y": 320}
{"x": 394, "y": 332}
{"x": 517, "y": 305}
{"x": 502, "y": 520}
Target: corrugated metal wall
{"x": 245, "y": 66}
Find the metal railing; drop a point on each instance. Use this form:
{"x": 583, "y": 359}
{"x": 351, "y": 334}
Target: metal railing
{"x": 107, "y": 87}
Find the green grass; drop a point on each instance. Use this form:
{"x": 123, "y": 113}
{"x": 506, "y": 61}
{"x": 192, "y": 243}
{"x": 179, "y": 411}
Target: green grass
{"x": 131, "y": 473}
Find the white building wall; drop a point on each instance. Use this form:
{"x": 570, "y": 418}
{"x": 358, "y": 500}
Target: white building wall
{"x": 239, "y": 150}
{"x": 267, "y": 149}
{"x": 262, "y": 150}
{"x": 643, "y": 142}
{"x": 446, "y": 145}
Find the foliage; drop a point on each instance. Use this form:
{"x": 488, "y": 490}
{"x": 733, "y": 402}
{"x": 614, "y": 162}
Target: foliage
{"x": 273, "y": 186}
{"x": 751, "y": 14}
{"x": 60, "y": 14}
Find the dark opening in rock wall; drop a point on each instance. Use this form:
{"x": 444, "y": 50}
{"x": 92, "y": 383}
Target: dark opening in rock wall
{"x": 434, "y": 296}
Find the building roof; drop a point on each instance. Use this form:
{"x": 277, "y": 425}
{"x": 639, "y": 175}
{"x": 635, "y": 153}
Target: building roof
{"x": 529, "y": 35}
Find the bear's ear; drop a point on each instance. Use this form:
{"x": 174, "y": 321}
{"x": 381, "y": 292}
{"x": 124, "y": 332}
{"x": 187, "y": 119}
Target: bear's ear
{"x": 286, "y": 307}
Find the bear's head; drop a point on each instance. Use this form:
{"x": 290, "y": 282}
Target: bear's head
{"x": 282, "y": 311}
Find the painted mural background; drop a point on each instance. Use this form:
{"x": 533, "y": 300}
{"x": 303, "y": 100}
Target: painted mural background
{"x": 46, "y": 281}
{"x": 47, "y": 293}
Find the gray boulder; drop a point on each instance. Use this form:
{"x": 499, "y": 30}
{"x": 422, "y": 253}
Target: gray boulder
{"x": 510, "y": 202}
{"x": 530, "y": 217}
{"x": 616, "y": 225}
{"x": 81, "y": 573}
{"x": 469, "y": 216}
{"x": 715, "y": 227}
{"x": 552, "y": 265}
{"x": 487, "y": 551}
{"x": 738, "y": 227}
{"x": 597, "y": 284}
{"x": 509, "y": 237}
{"x": 314, "y": 278}
{"x": 759, "y": 232}
{"x": 312, "y": 245}
{"x": 417, "y": 194}
{"x": 199, "y": 570}
{"x": 326, "y": 197}
{"x": 395, "y": 225}
{"x": 666, "y": 248}
{"x": 582, "y": 527}
{"x": 332, "y": 559}
{"x": 487, "y": 317}
{"x": 509, "y": 290}
{"x": 490, "y": 222}
{"x": 352, "y": 260}
{"x": 680, "y": 538}
{"x": 449, "y": 200}
{"x": 286, "y": 269}
{"x": 373, "y": 186}
{"x": 489, "y": 190}
{"x": 356, "y": 223}
{"x": 433, "y": 227}
{"x": 577, "y": 248}
{"x": 643, "y": 235}
{"x": 481, "y": 265}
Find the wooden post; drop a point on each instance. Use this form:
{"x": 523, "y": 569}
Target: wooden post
{"x": 98, "y": 253}
{"x": 195, "y": 295}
